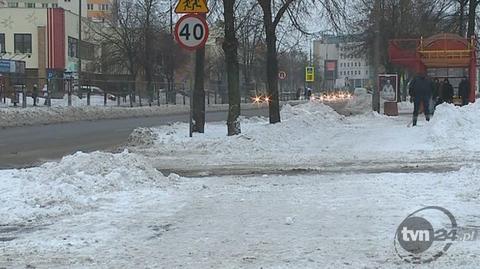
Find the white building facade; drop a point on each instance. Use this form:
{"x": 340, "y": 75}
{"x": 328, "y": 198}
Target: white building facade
{"x": 341, "y": 62}
{"x": 46, "y": 37}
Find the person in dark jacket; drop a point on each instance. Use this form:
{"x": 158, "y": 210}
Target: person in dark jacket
{"x": 463, "y": 90}
{"x": 447, "y": 91}
{"x": 35, "y": 94}
{"x": 436, "y": 91}
{"x": 420, "y": 90}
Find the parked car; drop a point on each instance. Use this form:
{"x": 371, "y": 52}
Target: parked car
{"x": 94, "y": 90}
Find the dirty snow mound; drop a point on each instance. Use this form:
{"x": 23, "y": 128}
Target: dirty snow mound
{"x": 142, "y": 137}
{"x": 360, "y": 103}
{"x": 312, "y": 111}
{"x": 71, "y": 186}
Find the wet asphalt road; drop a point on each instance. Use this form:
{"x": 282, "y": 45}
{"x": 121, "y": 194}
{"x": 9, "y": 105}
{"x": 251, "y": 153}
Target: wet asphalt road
{"x": 32, "y": 145}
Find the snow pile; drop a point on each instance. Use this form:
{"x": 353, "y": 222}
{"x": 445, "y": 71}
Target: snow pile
{"x": 311, "y": 112}
{"x": 360, "y": 103}
{"x": 456, "y": 126}
{"x": 11, "y": 117}
{"x": 300, "y": 124}
{"x": 71, "y": 186}
{"x": 142, "y": 137}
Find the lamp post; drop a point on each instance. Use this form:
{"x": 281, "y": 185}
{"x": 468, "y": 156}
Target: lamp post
{"x": 79, "y": 69}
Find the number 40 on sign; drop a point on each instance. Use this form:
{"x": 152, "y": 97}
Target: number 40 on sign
{"x": 191, "y": 31}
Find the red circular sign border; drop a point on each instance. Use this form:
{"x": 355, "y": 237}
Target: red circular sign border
{"x": 205, "y": 24}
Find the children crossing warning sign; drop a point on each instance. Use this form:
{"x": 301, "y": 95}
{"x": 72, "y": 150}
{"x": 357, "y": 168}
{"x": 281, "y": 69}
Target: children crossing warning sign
{"x": 192, "y": 6}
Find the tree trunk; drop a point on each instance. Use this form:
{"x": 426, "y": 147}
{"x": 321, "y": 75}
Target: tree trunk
{"x": 472, "y": 17}
{"x": 461, "y": 20}
{"x": 272, "y": 65}
{"x": 199, "y": 93}
{"x": 230, "y": 47}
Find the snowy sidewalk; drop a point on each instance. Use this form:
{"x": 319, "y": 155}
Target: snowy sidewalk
{"x": 334, "y": 221}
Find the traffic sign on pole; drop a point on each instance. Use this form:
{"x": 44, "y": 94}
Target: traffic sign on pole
{"x": 191, "y": 6}
{"x": 191, "y": 31}
{"x": 282, "y": 75}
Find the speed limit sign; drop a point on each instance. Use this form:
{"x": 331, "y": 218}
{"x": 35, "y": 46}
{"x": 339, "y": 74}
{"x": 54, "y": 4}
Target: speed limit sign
{"x": 191, "y": 31}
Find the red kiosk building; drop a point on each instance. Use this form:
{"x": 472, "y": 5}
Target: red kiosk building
{"x": 440, "y": 56}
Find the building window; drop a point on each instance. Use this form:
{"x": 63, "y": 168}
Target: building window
{"x": 2, "y": 43}
{"x": 90, "y": 6}
{"x": 12, "y": 4}
{"x": 23, "y": 43}
{"x": 55, "y": 5}
{"x": 67, "y": 0}
{"x": 44, "y": 5}
{"x": 72, "y": 47}
{"x": 87, "y": 50}
{"x": 30, "y": 5}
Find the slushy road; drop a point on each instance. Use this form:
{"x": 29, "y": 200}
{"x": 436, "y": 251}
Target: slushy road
{"x": 28, "y": 146}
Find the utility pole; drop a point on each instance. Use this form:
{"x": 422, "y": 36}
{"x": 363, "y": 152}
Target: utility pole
{"x": 171, "y": 18}
{"x": 376, "y": 59}
{"x": 79, "y": 69}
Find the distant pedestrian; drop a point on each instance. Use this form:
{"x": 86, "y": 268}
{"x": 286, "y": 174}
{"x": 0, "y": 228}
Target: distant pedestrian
{"x": 309, "y": 94}
{"x": 447, "y": 91}
{"x": 299, "y": 93}
{"x": 420, "y": 90}
{"x": 35, "y": 94}
{"x": 463, "y": 90}
{"x": 435, "y": 95}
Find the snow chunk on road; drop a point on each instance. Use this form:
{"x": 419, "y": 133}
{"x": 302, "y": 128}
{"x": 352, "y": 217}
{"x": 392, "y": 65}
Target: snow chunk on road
{"x": 142, "y": 137}
{"x": 361, "y": 102}
{"x": 71, "y": 186}
{"x": 311, "y": 112}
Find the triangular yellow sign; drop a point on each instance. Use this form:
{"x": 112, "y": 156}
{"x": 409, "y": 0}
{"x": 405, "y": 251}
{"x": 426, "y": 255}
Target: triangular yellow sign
{"x": 192, "y": 6}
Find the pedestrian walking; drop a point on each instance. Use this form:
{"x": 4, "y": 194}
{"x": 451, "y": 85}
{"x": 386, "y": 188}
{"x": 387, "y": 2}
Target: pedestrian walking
{"x": 420, "y": 90}
{"x": 35, "y": 94}
{"x": 463, "y": 90}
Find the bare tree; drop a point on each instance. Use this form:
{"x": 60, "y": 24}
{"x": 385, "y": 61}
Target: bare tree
{"x": 270, "y": 22}
{"x": 472, "y": 16}
{"x": 120, "y": 36}
{"x": 148, "y": 12}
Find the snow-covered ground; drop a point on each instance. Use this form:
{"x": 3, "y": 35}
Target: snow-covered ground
{"x": 318, "y": 190}
{"x": 313, "y": 136}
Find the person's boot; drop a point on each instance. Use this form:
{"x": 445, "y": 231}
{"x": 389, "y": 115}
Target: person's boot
{"x": 415, "y": 121}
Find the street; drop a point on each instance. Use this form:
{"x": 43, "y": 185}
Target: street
{"x": 32, "y": 145}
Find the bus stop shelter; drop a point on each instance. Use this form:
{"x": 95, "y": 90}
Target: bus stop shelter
{"x": 440, "y": 56}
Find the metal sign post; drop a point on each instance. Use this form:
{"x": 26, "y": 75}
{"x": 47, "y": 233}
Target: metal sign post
{"x": 191, "y": 112}
{"x": 191, "y": 33}
{"x": 49, "y": 84}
